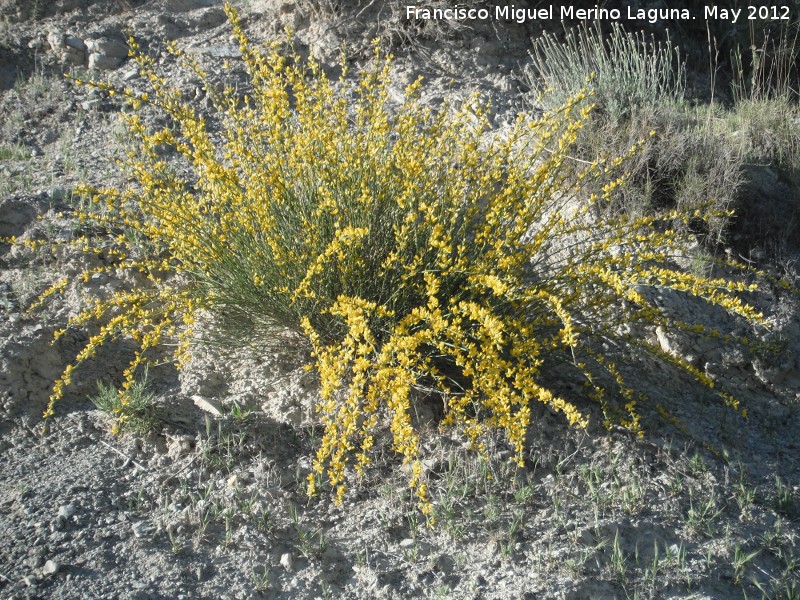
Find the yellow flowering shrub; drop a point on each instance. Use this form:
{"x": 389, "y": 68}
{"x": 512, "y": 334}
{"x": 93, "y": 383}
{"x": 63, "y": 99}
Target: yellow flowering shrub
{"x": 411, "y": 248}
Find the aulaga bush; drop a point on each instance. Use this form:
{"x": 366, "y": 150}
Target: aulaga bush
{"x": 412, "y": 248}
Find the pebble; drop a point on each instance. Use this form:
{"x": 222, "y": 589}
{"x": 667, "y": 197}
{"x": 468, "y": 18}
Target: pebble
{"x": 108, "y": 47}
{"x": 101, "y": 62}
{"x": 287, "y": 561}
{"x": 50, "y": 568}
{"x": 142, "y": 529}
{"x": 74, "y": 42}
{"x": 66, "y": 511}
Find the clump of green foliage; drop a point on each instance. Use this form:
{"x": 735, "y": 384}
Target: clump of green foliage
{"x": 132, "y": 410}
{"x": 414, "y": 252}
{"x": 628, "y": 71}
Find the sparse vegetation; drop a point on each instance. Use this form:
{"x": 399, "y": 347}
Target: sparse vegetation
{"x": 710, "y": 158}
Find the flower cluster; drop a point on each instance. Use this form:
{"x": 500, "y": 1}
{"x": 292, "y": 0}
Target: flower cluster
{"x": 412, "y": 249}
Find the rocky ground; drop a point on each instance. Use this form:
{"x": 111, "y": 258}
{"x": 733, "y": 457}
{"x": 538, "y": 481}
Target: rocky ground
{"x": 208, "y": 502}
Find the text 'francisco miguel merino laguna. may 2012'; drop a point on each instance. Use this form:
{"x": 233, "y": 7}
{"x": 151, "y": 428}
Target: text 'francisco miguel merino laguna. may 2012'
{"x": 512, "y": 13}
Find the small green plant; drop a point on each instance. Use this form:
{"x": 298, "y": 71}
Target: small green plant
{"x": 263, "y": 521}
{"x": 701, "y": 516}
{"x": 740, "y": 560}
{"x": 132, "y": 411}
{"x": 773, "y": 539}
{"x": 744, "y": 495}
{"x": 779, "y": 589}
{"x": 632, "y": 495}
{"x": 442, "y": 591}
{"x": 767, "y": 69}
{"x": 784, "y": 502}
{"x": 260, "y": 580}
{"x": 222, "y": 447}
{"x": 652, "y": 570}
{"x": 619, "y": 560}
{"x": 175, "y": 545}
{"x": 508, "y": 539}
{"x": 676, "y": 557}
{"x": 524, "y": 494}
{"x": 228, "y": 516}
{"x": 240, "y": 414}
{"x": 576, "y": 563}
{"x": 13, "y": 152}
{"x": 697, "y": 464}
{"x": 311, "y": 543}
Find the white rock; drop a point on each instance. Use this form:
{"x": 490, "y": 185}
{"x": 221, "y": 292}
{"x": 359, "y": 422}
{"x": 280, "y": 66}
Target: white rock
{"x": 66, "y": 511}
{"x": 75, "y": 42}
{"x": 207, "y": 405}
{"x": 56, "y": 40}
{"x": 287, "y": 561}
{"x": 665, "y": 343}
{"x": 108, "y": 47}
{"x": 142, "y": 529}
{"x": 101, "y": 62}
{"x": 51, "y": 567}
{"x": 88, "y": 105}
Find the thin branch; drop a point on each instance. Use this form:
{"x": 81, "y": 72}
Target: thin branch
{"x": 123, "y": 455}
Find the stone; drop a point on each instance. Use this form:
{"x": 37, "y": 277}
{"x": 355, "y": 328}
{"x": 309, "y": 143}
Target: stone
{"x": 287, "y": 561}
{"x": 108, "y": 47}
{"x": 179, "y": 445}
{"x": 37, "y": 43}
{"x": 101, "y": 62}
{"x": 332, "y": 554}
{"x": 75, "y": 43}
{"x": 142, "y": 529}
{"x": 56, "y": 40}
{"x": 220, "y": 51}
{"x": 69, "y": 48}
{"x": 207, "y": 405}
{"x": 665, "y": 343}
{"x": 50, "y": 568}
{"x": 66, "y": 511}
